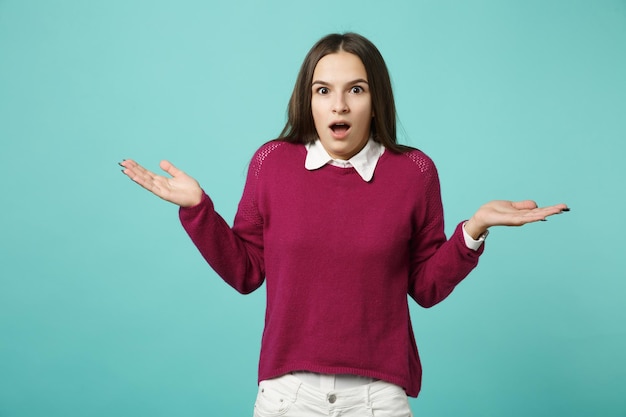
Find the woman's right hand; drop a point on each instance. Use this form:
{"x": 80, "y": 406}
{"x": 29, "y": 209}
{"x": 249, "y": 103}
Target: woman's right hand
{"x": 180, "y": 189}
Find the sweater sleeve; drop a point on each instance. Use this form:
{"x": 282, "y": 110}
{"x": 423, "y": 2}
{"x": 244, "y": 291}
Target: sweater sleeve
{"x": 437, "y": 264}
{"x": 236, "y": 254}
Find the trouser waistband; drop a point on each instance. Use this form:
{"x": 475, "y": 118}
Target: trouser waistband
{"x": 334, "y": 381}
{"x": 339, "y": 398}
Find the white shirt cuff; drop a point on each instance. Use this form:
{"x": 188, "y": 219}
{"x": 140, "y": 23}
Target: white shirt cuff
{"x": 470, "y": 242}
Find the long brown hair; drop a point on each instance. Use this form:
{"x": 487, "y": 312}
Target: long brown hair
{"x": 300, "y": 127}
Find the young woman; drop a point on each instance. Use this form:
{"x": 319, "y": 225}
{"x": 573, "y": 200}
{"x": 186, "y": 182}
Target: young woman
{"x": 341, "y": 222}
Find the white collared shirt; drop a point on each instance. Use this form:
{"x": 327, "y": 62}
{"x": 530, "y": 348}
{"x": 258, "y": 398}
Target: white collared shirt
{"x": 364, "y": 163}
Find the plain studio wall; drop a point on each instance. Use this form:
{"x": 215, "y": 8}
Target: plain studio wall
{"x": 106, "y": 308}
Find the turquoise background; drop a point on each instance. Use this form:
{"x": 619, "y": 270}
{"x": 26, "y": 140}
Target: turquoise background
{"x": 106, "y": 308}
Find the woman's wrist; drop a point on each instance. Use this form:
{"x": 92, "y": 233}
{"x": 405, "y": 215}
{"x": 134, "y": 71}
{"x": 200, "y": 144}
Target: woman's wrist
{"x": 474, "y": 228}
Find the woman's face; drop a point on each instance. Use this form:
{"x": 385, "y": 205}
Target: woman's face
{"x": 341, "y": 104}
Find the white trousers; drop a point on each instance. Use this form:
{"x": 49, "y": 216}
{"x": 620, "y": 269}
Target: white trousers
{"x": 290, "y": 396}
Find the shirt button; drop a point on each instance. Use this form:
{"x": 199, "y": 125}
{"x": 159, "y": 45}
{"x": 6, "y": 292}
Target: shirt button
{"x": 332, "y": 398}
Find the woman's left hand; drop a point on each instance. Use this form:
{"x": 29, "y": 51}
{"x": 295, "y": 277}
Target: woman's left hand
{"x": 509, "y": 213}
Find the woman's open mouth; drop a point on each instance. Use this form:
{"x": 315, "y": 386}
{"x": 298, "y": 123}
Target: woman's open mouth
{"x": 339, "y": 130}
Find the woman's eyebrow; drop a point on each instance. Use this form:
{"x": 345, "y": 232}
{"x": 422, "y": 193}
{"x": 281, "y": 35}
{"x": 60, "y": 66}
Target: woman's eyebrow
{"x": 358, "y": 80}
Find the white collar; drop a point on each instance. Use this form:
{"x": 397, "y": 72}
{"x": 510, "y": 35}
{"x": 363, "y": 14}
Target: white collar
{"x": 363, "y": 162}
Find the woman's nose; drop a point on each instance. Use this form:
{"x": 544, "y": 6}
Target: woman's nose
{"x": 340, "y": 105}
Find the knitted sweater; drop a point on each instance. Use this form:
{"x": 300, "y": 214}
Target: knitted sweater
{"x": 339, "y": 256}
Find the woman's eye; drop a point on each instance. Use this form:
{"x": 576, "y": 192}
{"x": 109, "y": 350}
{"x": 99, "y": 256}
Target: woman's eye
{"x": 322, "y": 90}
{"x": 356, "y": 89}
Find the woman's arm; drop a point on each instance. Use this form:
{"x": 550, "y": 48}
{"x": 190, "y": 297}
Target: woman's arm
{"x": 236, "y": 255}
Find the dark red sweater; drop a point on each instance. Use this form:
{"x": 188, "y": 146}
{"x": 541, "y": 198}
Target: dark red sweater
{"x": 339, "y": 256}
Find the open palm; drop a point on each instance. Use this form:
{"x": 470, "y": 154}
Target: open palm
{"x": 509, "y": 213}
{"x": 179, "y": 188}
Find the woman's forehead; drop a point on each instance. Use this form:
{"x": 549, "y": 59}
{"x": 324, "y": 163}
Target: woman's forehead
{"x": 339, "y": 66}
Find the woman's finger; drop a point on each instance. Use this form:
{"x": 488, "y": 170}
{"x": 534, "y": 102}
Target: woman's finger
{"x": 524, "y": 205}
{"x": 170, "y": 169}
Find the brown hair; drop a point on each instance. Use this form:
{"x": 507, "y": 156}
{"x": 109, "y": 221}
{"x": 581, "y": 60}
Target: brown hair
{"x": 300, "y": 127}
